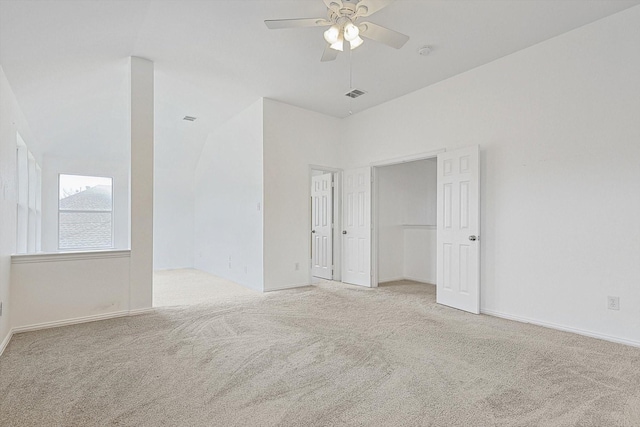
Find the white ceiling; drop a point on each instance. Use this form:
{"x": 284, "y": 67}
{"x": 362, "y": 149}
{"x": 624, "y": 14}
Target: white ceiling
{"x": 67, "y": 60}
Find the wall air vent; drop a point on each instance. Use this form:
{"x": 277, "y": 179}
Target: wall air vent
{"x": 355, "y": 93}
{"x": 189, "y": 118}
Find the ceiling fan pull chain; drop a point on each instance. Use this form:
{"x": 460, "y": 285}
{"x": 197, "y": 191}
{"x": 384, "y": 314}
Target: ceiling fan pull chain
{"x": 350, "y": 79}
{"x": 350, "y": 70}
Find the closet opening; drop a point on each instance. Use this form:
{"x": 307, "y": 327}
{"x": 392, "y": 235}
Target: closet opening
{"x": 404, "y": 226}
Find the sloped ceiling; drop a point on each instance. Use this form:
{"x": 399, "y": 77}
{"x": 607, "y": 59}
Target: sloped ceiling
{"x": 67, "y": 61}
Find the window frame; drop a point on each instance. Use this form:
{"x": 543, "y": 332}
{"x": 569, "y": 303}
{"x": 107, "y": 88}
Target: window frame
{"x": 112, "y": 212}
{"x": 28, "y": 200}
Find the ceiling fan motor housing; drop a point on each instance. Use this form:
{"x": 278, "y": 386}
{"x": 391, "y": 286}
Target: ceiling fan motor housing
{"x": 346, "y": 11}
{"x": 342, "y": 17}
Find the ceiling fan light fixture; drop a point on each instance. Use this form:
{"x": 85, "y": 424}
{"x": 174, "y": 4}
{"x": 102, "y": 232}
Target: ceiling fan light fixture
{"x": 351, "y": 32}
{"x": 332, "y": 35}
{"x": 356, "y": 42}
{"x": 339, "y": 45}
{"x": 342, "y": 23}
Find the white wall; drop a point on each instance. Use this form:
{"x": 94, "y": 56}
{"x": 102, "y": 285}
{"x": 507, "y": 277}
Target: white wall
{"x": 233, "y": 192}
{"x": 294, "y": 139}
{"x": 118, "y": 170}
{"x": 53, "y": 289}
{"x": 558, "y": 126}
{"x": 420, "y": 258}
{"x": 228, "y": 200}
{"x": 389, "y": 181}
{"x": 141, "y": 183}
{"x": 11, "y": 122}
{"x": 406, "y": 204}
{"x": 173, "y": 219}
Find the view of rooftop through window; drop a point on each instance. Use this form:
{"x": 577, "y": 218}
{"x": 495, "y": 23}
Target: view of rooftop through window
{"x": 85, "y": 212}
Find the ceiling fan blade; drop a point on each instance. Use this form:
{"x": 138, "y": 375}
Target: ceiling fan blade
{"x": 382, "y": 35}
{"x": 329, "y": 54}
{"x": 372, "y": 6}
{"x": 278, "y": 24}
{"x": 334, "y": 5}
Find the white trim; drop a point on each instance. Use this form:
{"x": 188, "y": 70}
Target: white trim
{"x": 139, "y": 311}
{"x": 5, "y": 342}
{"x": 285, "y": 287}
{"x": 558, "y": 327}
{"x": 415, "y": 279}
{"x": 78, "y": 320}
{"x": 407, "y": 159}
{"x": 375, "y": 205}
{"x": 375, "y": 232}
{"x": 337, "y": 220}
{"x": 324, "y": 168}
{"x": 392, "y": 279}
{"x": 73, "y": 321}
{"x": 69, "y": 256}
{"x": 337, "y": 226}
{"x": 67, "y": 322}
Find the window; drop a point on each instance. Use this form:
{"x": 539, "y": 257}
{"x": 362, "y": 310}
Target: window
{"x": 28, "y": 213}
{"x": 85, "y": 212}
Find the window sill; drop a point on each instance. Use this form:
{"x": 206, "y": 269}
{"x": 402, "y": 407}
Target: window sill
{"x": 69, "y": 256}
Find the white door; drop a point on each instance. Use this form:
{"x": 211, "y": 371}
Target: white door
{"x": 321, "y": 226}
{"x": 458, "y": 270}
{"x": 356, "y": 231}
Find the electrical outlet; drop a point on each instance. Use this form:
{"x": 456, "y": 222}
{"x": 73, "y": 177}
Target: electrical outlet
{"x": 613, "y": 303}
{"x": 229, "y": 262}
{"x": 0, "y": 308}
{"x": 297, "y": 266}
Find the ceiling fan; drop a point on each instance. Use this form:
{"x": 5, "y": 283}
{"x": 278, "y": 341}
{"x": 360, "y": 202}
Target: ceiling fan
{"x": 343, "y": 20}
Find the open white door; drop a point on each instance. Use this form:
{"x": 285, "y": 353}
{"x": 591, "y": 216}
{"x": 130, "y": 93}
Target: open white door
{"x": 321, "y": 226}
{"x": 458, "y": 271}
{"x": 356, "y": 231}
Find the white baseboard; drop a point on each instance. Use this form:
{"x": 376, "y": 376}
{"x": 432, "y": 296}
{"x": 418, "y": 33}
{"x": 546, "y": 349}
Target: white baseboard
{"x": 556, "y": 326}
{"x": 73, "y": 321}
{"x": 398, "y": 279}
{"x": 85, "y": 319}
{"x": 139, "y": 311}
{"x": 5, "y": 341}
{"x": 390, "y": 279}
{"x": 285, "y": 287}
{"x": 421, "y": 280}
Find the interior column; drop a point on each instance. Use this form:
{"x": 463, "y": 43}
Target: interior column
{"x": 141, "y": 184}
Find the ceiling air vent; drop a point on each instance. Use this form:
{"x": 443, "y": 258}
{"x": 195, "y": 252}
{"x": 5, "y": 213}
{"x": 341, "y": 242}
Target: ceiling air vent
{"x": 189, "y": 118}
{"x": 355, "y": 93}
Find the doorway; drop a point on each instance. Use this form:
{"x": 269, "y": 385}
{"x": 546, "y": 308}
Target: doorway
{"x": 405, "y": 215}
{"x": 324, "y": 224}
{"x": 457, "y": 225}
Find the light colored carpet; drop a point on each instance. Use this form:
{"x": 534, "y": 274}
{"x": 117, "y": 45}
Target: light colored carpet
{"x": 326, "y": 355}
{"x": 189, "y": 286}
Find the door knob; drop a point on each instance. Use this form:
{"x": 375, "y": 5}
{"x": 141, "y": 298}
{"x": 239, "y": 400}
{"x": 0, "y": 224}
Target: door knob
{"x": 313, "y": 231}
{"x": 344, "y": 231}
{"x": 473, "y": 238}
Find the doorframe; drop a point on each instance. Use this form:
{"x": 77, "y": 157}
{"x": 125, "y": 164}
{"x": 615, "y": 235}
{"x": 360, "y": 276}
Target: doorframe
{"x": 375, "y": 202}
{"x": 337, "y": 219}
